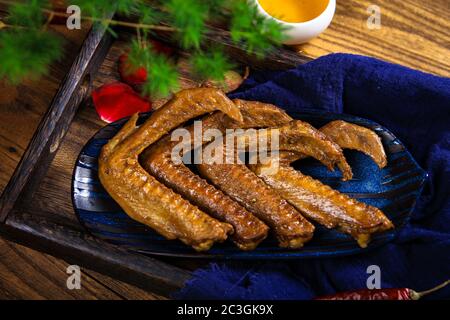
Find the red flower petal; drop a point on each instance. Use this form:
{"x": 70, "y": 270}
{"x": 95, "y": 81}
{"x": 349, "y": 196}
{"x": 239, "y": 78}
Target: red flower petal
{"x": 118, "y": 100}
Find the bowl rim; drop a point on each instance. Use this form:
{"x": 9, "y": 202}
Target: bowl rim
{"x": 331, "y": 3}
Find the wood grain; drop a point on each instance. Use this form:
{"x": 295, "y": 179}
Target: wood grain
{"x": 56, "y": 121}
{"x": 26, "y": 273}
{"x": 87, "y": 251}
{"x": 414, "y": 33}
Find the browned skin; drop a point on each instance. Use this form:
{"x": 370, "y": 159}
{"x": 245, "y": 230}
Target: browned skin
{"x": 257, "y": 115}
{"x": 351, "y": 136}
{"x": 315, "y": 200}
{"x": 289, "y": 226}
{"x": 299, "y": 137}
{"x": 263, "y": 115}
{"x": 237, "y": 181}
{"x": 144, "y": 198}
{"x": 168, "y": 213}
{"x": 324, "y": 205}
{"x": 249, "y": 231}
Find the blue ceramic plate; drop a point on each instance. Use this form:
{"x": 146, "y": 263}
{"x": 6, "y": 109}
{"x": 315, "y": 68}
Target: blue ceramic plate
{"x": 394, "y": 189}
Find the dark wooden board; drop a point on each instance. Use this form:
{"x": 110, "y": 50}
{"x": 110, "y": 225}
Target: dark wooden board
{"x": 56, "y": 121}
{"x": 36, "y": 208}
{"x": 79, "y": 247}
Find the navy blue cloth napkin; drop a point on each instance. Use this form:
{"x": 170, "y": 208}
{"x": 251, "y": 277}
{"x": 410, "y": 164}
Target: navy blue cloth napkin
{"x": 413, "y": 105}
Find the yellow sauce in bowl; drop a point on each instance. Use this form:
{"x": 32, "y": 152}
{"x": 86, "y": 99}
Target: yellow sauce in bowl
{"x": 294, "y": 11}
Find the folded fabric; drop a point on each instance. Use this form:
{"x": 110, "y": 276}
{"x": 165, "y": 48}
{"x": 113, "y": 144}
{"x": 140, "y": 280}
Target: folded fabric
{"x": 413, "y": 105}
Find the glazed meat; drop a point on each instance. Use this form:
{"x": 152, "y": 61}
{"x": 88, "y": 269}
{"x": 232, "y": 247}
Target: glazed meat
{"x": 236, "y": 199}
{"x": 289, "y": 226}
{"x": 324, "y": 205}
{"x": 256, "y": 115}
{"x": 249, "y": 231}
{"x": 144, "y": 198}
{"x": 351, "y": 136}
{"x": 300, "y": 138}
{"x": 313, "y": 199}
{"x": 238, "y": 182}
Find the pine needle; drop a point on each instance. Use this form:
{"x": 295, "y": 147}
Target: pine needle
{"x": 162, "y": 74}
{"x": 27, "y": 54}
{"x": 189, "y": 16}
{"x": 27, "y": 48}
{"x": 211, "y": 65}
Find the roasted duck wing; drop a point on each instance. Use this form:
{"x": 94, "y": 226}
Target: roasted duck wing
{"x": 300, "y": 138}
{"x": 289, "y": 226}
{"x": 346, "y": 135}
{"x": 313, "y": 199}
{"x": 144, "y": 198}
{"x": 351, "y": 136}
{"x": 256, "y": 114}
{"x": 165, "y": 199}
{"x": 237, "y": 181}
{"x": 249, "y": 231}
{"x": 325, "y": 205}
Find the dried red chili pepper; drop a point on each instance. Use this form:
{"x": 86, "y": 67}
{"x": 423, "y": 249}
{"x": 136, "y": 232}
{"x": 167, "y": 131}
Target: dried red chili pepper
{"x": 117, "y": 100}
{"x": 382, "y": 294}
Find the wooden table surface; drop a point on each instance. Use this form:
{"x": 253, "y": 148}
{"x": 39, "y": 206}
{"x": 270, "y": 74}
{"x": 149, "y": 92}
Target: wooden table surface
{"x": 413, "y": 33}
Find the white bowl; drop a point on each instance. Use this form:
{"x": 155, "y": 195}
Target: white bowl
{"x": 302, "y": 32}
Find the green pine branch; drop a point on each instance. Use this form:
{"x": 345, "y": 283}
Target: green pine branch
{"x": 26, "y": 50}
{"x": 27, "y": 47}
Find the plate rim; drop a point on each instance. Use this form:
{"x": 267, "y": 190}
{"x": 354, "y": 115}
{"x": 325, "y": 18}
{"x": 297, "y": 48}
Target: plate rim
{"x": 251, "y": 255}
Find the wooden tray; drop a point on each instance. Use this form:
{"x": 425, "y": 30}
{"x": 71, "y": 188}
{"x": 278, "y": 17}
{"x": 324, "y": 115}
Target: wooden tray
{"x": 36, "y": 207}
